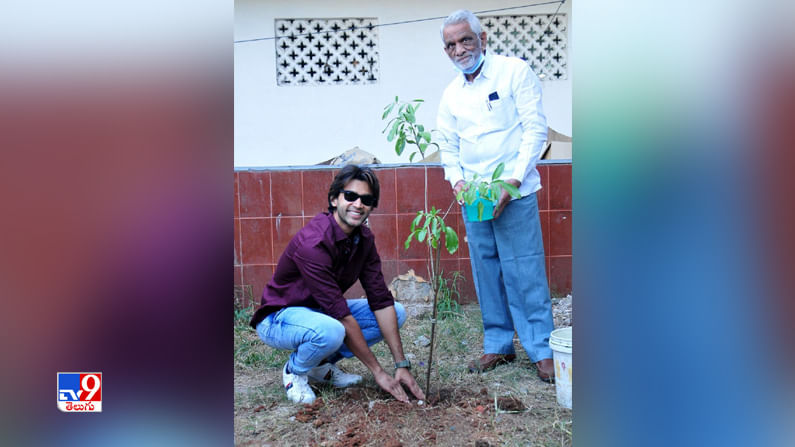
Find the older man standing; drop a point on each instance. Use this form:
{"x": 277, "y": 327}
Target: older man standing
{"x": 491, "y": 113}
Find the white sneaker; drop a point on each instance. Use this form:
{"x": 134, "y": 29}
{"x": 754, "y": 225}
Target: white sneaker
{"x": 297, "y": 387}
{"x": 329, "y": 373}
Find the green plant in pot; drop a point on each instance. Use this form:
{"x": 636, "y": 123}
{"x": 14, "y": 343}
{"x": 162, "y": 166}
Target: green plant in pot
{"x": 480, "y": 196}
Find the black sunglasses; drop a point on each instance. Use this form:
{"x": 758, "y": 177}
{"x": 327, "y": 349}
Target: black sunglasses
{"x": 367, "y": 199}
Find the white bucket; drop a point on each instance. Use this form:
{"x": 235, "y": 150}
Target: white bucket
{"x": 561, "y": 344}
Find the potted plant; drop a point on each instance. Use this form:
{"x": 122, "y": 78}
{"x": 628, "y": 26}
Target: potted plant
{"x": 480, "y": 196}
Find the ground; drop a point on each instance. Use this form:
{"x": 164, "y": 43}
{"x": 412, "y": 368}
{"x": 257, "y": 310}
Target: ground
{"x": 506, "y": 406}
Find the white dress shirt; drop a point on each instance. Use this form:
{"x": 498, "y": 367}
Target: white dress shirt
{"x": 496, "y": 118}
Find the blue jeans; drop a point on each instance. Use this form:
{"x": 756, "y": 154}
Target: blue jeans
{"x": 314, "y": 336}
{"x": 508, "y": 268}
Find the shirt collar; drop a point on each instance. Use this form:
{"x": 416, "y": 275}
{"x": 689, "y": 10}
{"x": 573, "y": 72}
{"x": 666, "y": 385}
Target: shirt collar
{"x": 485, "y": 71}
{"x": 336, "y": 230}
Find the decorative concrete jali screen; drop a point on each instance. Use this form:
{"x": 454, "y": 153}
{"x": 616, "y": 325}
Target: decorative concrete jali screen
{"x": 271, "y": 205}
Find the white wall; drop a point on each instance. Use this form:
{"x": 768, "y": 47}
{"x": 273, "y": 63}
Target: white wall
{"x": 304, "y": 125}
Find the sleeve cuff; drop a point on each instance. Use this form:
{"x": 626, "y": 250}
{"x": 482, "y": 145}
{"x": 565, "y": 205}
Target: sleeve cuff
{"x": 339, "y": 310}
{"x": 382, "y": 304}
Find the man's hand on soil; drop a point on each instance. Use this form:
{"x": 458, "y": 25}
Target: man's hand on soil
{"x": 404, "y": 376}
{"x": 391, "y": 386}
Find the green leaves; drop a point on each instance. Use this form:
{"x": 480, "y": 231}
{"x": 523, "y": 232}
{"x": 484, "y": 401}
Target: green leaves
{"x": 388, "y": 109}
{"x": 429, "y": 227}
{"x": 491, "y": 191}
{"x": 470, "y": 195}
{"x": 416, "y": 220}
{"x": 400, "y": 144}
{"x": 408, "y": 241}
{"x": 404, "y": 129}
{"x": 512, "y": 190}
{"x": 393, "y": 131}
{"x": 498, "y": 171}
{"x": 450, "y": 240}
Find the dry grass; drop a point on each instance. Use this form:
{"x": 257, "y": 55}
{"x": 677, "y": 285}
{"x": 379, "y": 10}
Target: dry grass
{"x": 464, "y": 414}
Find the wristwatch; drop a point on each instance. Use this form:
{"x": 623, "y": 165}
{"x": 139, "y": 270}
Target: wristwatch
{"x": 403, "y": 364}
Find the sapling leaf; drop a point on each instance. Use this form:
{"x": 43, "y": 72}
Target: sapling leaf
{"x": 421, "y": 234}
{"x": 420, "y": 128}
{"x": 450, "y": 240}
{"x": 480, "y": 210}
{"x": 423, "y": 146}
{"x": 411, "y": 157}
{"x": 408, "y": 241}
{"x": 388, "y": 124}
{"x": 469, "y": 196}
{"x": 426, "y": 135}
{"x": 388, "y": 110}
{"x": 416, "y": 220}
{"x": 512, "y": 190}
{"x": 495, "y": 192}
{"x": 400, "y": 144}
{"x": 498, "y": 171}
{"x": 435, "y": 227}
{"x": 392, "y": 132}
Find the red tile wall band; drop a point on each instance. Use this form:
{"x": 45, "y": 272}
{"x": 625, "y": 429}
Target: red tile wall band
{"x": 272, "y": 205}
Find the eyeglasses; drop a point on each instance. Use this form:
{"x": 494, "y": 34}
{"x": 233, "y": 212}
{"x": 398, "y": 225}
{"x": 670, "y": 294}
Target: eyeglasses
{"x": 367, "y": 199}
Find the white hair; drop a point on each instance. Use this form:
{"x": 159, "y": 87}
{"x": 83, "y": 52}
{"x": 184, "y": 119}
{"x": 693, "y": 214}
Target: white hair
{"x": 460, "y": 16}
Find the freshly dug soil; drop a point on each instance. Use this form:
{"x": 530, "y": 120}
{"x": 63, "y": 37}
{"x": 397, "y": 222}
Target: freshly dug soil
{"x": 372, "y": 417}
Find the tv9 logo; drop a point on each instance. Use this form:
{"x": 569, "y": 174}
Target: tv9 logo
{"x": 80, "y": 392}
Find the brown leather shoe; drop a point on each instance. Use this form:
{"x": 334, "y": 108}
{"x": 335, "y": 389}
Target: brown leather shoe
{"x": 546, "y": 370}
{"x": 489, "y": 361}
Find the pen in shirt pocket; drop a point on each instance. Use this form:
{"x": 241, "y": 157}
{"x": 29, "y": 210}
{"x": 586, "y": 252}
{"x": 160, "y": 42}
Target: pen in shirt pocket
{"x": 493, "y": 96}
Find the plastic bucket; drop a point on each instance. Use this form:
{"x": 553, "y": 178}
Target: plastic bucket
{"x": 561, "y": 343}
{"x": 472, "y": 210}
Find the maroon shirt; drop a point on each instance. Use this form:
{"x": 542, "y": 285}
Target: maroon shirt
{"x": 319, "y": 264}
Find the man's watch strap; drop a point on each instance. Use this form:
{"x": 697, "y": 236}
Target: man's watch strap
{"x": 403, "y": 364}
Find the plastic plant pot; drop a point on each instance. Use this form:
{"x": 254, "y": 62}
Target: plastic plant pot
{"x": 472, "y": 210}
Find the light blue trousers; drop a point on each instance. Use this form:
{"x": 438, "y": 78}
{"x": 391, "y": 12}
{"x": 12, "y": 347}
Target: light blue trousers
{"x": 508, "y": 267}
{"x": 314, "y": 336}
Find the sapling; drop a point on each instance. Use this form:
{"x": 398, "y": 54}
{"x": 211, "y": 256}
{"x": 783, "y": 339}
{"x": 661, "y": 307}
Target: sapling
{"x": 429, "y": 226}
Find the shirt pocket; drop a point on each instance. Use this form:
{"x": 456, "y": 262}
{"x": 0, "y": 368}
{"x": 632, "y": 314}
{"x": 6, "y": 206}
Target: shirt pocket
{"x": 500, "y": 113}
